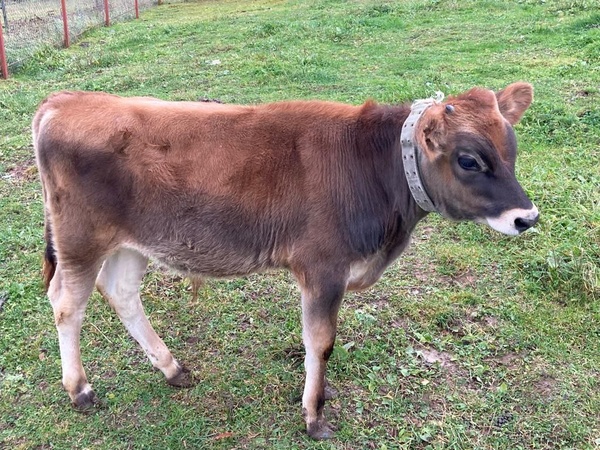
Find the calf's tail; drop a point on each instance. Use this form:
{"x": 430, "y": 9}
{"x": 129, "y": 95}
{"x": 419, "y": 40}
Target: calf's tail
{"x": 49, "y": 261}
{"x": 49, "y": 264}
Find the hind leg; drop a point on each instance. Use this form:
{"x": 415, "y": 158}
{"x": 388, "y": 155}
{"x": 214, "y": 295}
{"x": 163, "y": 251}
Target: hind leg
{"x": 119, "y": 283}
{"x": 69, "y": 292}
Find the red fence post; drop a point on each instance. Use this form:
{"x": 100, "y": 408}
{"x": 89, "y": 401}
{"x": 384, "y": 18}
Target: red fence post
{"x": 3, "y": 54}
{"x": 137, "y": 9}
{"x": 63, "y": 7}
{"x": 106, "y": 15}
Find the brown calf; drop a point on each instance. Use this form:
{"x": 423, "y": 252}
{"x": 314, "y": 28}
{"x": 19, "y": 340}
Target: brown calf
{"x": 215, "y": 190}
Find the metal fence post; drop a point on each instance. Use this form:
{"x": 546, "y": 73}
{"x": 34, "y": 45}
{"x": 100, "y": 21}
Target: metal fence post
{"x": 106, "y": 14}
{"x": 137, "y": 9}
{"x": 63, "y": 7}
{"x": 3, "y": 63}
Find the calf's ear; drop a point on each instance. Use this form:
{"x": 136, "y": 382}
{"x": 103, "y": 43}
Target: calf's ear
{"x": 514, "y": 100}
{"x": 431, "y": 134}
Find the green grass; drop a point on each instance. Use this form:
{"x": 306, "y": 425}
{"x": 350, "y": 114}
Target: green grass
{"x": 471, "y": 340}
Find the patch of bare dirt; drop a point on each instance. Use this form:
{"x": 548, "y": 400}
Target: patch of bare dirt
{"x": 24, "y": 171}
{"x": 491, "y": 321}
{"x": 431, "y": 356}
{"x": 427, "y": 275}
{"x": 401, "y": 322}
{"x": 511, "y": 361}
{"x": 372, "y": 300}
{"x": 451, "y": 373}
{"x": 545, "y": 385}
{"x": 425, "y": 272}
{"x": 464, "y": 279}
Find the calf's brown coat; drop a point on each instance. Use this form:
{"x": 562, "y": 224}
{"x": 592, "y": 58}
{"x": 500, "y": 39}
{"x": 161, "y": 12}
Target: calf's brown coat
{"x": 215, "y": 190}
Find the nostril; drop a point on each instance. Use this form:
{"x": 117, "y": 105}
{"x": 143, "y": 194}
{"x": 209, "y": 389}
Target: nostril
{"x": 522, "y": 224}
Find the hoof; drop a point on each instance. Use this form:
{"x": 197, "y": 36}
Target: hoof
{"x": 183, "y": 379}
{"x": 320, "y": 430}
{"x": 85, "y": 402}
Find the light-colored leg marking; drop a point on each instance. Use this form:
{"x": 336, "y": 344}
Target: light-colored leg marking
{"x": 69, "y": 294}
{"x": 119, "y": 283}
{"x": 319, "y": 317}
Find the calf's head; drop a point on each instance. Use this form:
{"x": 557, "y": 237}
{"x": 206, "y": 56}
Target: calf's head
{"x": 467, "y": 160}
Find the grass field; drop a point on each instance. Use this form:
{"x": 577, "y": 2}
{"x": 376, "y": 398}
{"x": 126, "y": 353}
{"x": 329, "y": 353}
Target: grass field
{"x": 472, "y": 340}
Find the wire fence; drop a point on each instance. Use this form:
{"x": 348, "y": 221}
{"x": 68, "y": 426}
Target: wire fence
{"x": 28, "y": 25}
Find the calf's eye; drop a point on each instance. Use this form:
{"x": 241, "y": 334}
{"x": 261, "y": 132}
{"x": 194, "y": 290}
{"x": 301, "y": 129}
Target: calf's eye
{"x": 468, "y": 163}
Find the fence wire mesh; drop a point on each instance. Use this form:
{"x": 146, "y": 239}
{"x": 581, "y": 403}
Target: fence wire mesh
{"x": 32, "y": 24}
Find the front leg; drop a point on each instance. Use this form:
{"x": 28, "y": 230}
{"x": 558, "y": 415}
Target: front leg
{"x": 320, "y": 304}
